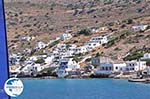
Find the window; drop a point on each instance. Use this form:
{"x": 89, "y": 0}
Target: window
{"x": 132, "y": 68}
{"x": 116, "y": 67}
{"x": 103, "y": 68}
{"x": 106, "y": 68}
{"x": 110, "y": 68}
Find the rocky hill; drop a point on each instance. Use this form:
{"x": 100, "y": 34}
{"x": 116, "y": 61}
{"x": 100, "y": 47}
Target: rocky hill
{"x": 47, "y": 19}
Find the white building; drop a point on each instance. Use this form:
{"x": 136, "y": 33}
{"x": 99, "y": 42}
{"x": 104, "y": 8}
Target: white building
{"x": 56, "y": 54}
{"x": 120, "y": 67}
{"x": 14, "y": 59}
{"x": 65, "y": 66}
{"x": 63, "y": 55}
{"x": 146, "y": 56}
{"x": 65, "y": 36}
{"x": 60, "y": 55}
{"x": 27, "y": 69}
{"x": 139, "y": 28}
{"x": 27, "y": 50}
{"x": 97, "y": 41}
{"x": 101, "y": 39}
{"x": 57, "y": 39}
{"x": 31, "y": 68}
{"x": 37, "y": 68}
{"x": 49, "y": 59}
{"x": 72, "y": 49}
{"x": 51, "y": 41}
{"x": 33, "y": 58}
{"x": 61, "y": 47}
{"x": 27, "y": 38}
{"x": 40, "y": 45}
{"x": 104, "y": 69}
{"x": 96, "y": 29}
{"x": 135, "y": 66}
{"x": 81, "y": 49}
{"x": 93, "y": 44}
{"x": 148, "y": 70}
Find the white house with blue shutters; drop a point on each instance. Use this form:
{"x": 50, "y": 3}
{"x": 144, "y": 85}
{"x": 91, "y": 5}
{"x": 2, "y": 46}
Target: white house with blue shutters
{"x": 66, "y": 65}
{"x": 133, "y": 66}
{"x": 97, "y": 41}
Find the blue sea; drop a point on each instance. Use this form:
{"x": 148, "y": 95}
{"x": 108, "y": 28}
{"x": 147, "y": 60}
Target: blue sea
{"x": 84, "y": 89}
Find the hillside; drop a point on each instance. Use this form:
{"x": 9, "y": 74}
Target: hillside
{"x": 47, "y": 19}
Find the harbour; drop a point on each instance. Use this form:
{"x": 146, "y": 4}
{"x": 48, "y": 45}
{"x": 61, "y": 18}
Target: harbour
{"x": 80, "y": 89}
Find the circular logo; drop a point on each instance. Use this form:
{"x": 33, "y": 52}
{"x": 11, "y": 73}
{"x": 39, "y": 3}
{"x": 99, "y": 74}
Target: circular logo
{"x": 13, "y": 87}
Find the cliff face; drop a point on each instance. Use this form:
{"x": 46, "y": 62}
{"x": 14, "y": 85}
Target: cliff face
{"x": 47, "y": 19}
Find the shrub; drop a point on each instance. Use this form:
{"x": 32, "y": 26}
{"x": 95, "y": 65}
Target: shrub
{"x": 128, "y": 21}
{"x": 68, "y": 46}
{"x": 75, "y": 41}
{"x": 48, "y": 70}
{"x": 22, "y": 59}
{"x": 123, "y": 26}
{"x": 148, "y": 28}
{"x": 134, "y": 56}
{"x": 124, "y": 34}
{"x": 139, "y": 10}
{"x": 111, "y": 24}
{"x": 147, "y": 61}
{"x": 117, "y": 49}
{"x": 76, "y": 58}
{"x": 40, "y": 61}
{"x": 97, "y": 54}
{"x": 88, "y": 60}
{"x": 108, "y": 2}
{"x": 85, "y": 32}
{"x": 110, "y": 43}
{"x": 53, "y": 44}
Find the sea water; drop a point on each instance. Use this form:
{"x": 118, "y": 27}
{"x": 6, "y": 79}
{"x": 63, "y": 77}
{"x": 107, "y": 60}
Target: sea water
{"x": 84, "y": 89}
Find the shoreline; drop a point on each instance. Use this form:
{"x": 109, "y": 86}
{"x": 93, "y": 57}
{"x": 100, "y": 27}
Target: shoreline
{"x": 88, "y": 78}
{"x": 46, "y": 78}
